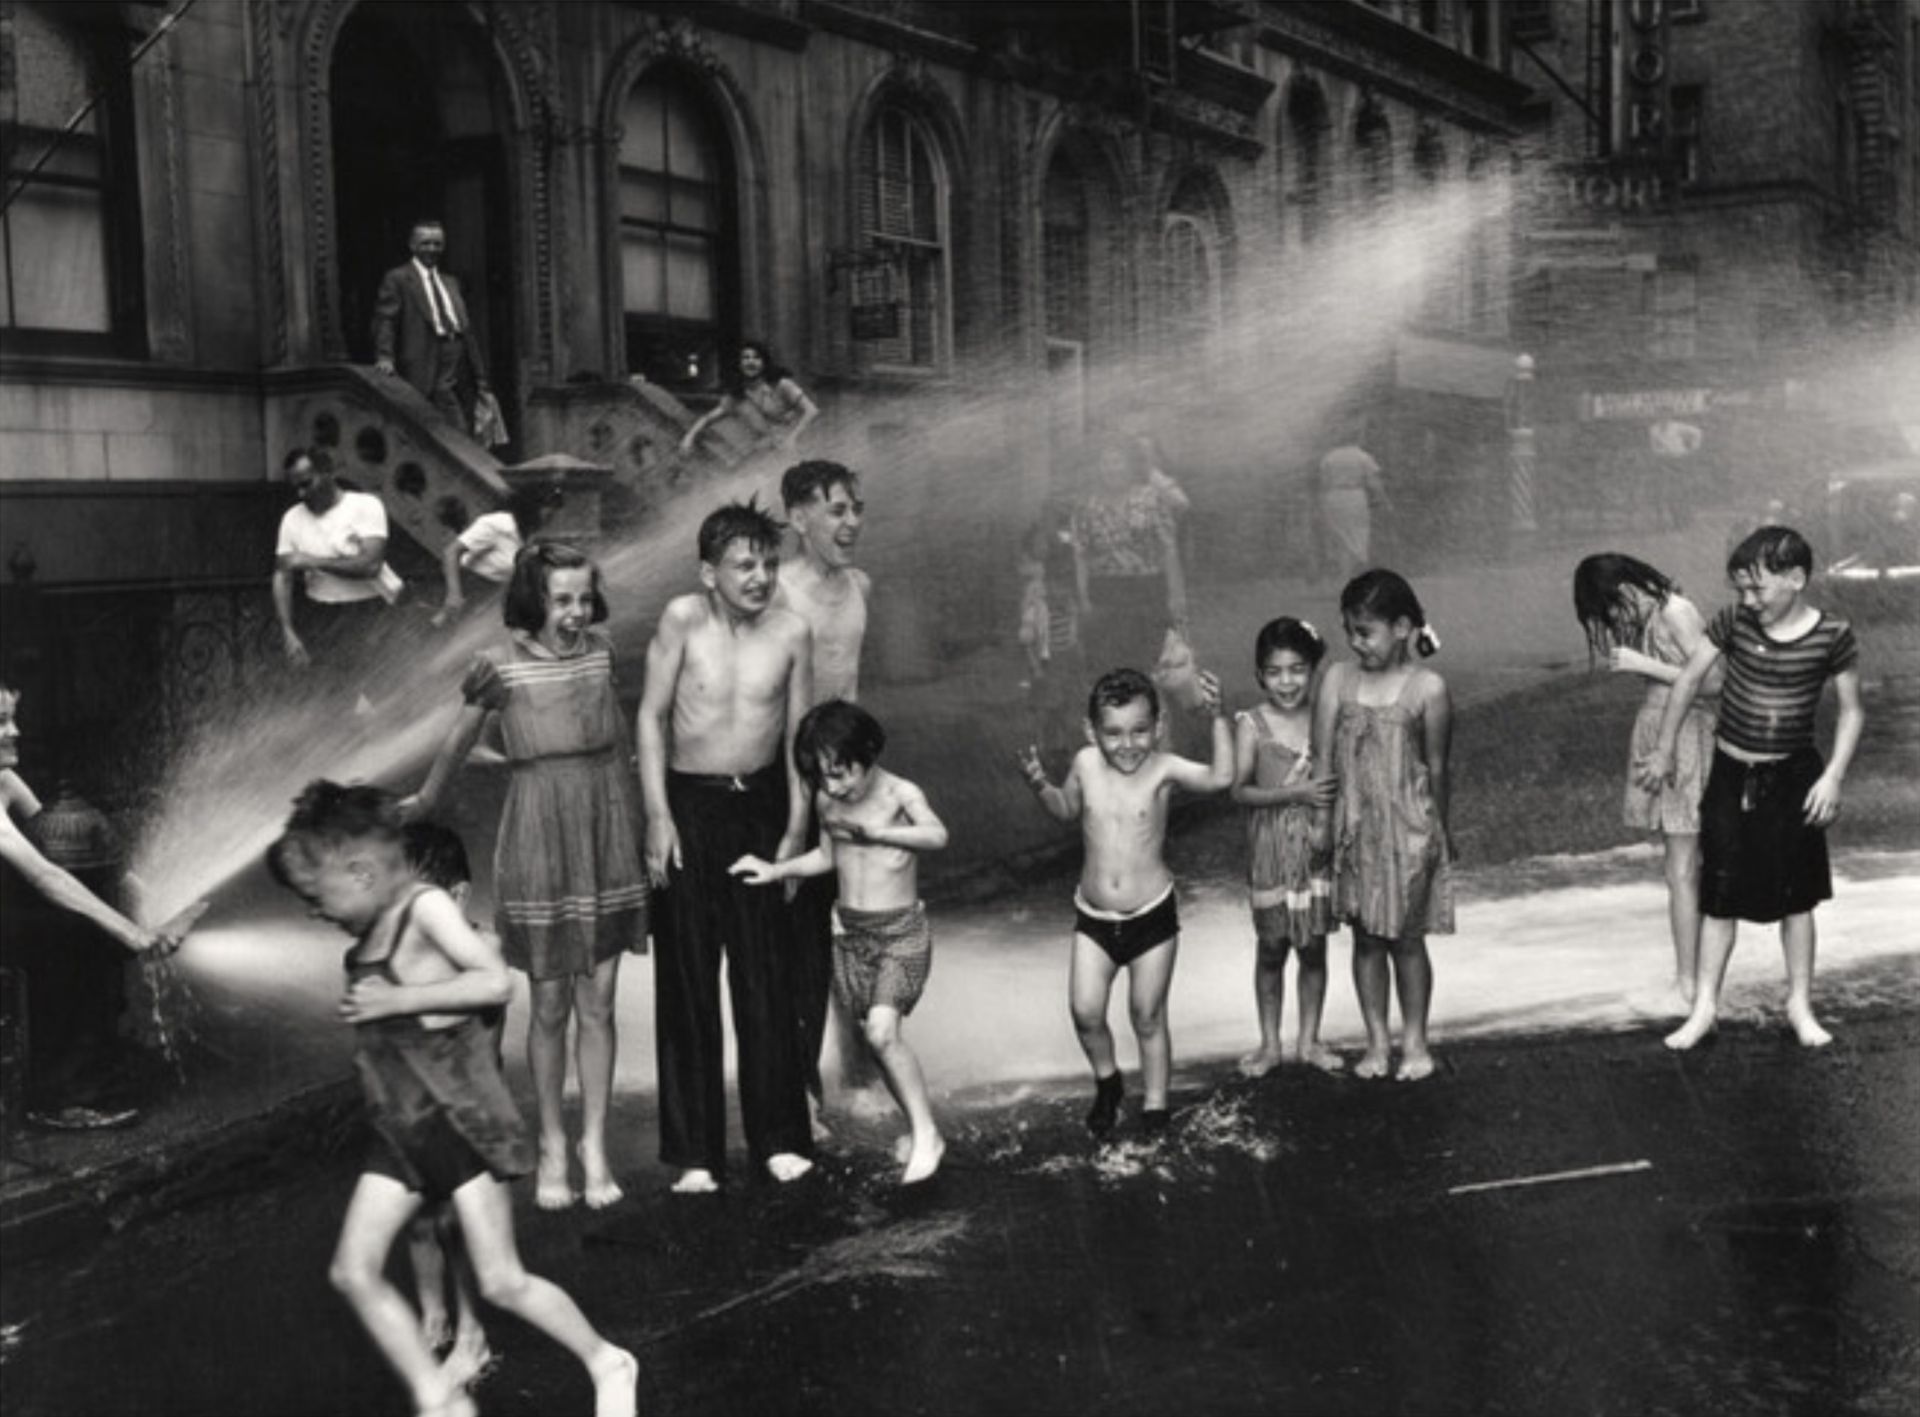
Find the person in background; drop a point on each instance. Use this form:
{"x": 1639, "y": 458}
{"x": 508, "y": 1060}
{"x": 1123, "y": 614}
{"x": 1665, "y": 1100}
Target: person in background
{"x": 491, "y": 541}
{"x": 423, "y": 333}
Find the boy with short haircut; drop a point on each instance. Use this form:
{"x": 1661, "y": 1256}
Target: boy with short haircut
{"x": 873, "y": 825}
{"x": 729, "y": 676}
{"x": 1769, "y": 798}
{"x": 445, "y": 1126}
{"x": 1126, "y": 914}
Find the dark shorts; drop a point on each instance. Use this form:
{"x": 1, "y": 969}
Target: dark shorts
{"x": 1126, "y": 939}
{"x": 442, "y": 1160}
{"x": 1759, "y": 860}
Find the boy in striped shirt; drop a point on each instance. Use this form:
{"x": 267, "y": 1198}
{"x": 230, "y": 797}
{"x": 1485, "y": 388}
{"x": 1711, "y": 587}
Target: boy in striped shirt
{"x": 1769, "y": 797}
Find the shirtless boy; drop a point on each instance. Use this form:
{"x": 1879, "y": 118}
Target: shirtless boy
{"x": 729, "y": 675}
{"x": 830, "y": 593}
{"x": 872, "y": 827}
{"x": 1126, "y": 915}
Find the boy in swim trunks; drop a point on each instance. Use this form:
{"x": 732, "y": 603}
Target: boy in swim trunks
{"x": 1126, "y": 915}
{"x": 418, "y": 978}
{"x": 873, "y": 825}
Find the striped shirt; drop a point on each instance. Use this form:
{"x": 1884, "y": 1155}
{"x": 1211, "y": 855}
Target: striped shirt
{"x": 1773, "y": 686}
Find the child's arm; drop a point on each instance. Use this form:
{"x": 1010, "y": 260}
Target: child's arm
{"x": 665, "y": 656}
{"x": 756, "y": 872}
{"x": 1688, "y": 630}
{"x": 701, "y": 423}
{"x": 809, "y": 411}
{"x": 1653, "y": 771}
{"x": 1216, "y": 776}
{"x": 1326, "y": 715}
{"x": 482, "y": 982}
{"x": 1062, "y": 802}
{"x": 450, "y": 572}
{"x": 922, "y": 831}
{"x": 799, "y": 700}
{"x": 1823, "y": 798}
{"x": 59, "y": 886}
{"x": 452, "y": 757}
{"x": 1437, "y": 740}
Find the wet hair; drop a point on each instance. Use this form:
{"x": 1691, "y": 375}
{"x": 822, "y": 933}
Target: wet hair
{"x": 436, "y": 854}
{"x": 525, "y": 607}
{"x": 1385, "y": 595}
{"x": 744, "y": 521}
{"x": 1289, "y": 633}
{"x": 1119, "y": 687}
{"x": 1774, "y": 549}
{"x": 1602, "y": 610}
{"x": 836, "y": 732}
{"x": 771, "y": 370}
{"x": 531, "y": 506}
{"x": 816, "y": 477}
{"x": 327, "y": 816}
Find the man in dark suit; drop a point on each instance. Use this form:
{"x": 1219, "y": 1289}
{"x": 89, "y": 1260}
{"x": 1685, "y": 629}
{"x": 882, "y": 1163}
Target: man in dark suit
{"x": 421, "y": 330}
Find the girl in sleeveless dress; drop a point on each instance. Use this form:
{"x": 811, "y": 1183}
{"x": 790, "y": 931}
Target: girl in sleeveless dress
{"x": 1383, "y": 726}
{"x": 1640, "y": 621}
{"x": 570, "y": 894}
{"x": 1287, "y": 872}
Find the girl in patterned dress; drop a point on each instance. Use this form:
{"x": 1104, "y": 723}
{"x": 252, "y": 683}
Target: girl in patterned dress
{"x": 1287, "y": 873}
{"x": 570, "y": 894}
{"x": 1383, "y": 726}
{"x": 1640, "y": 621}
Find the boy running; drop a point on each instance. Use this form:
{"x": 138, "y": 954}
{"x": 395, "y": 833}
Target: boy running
{"x": 1769, "y": 798}
{"x": 1126, "y": 915}
{"x": 872, "y": 827}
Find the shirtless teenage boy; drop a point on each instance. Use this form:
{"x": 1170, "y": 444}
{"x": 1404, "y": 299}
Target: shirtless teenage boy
{"x": 872, "y": 827}
{"x": 729, "y": 675}
{"x": 830, "y": 593}
{"x": 1126, "y": 916}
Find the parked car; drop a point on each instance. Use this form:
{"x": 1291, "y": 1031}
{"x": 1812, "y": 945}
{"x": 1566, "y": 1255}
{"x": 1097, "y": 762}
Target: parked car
{"x": 1869, "y": 541}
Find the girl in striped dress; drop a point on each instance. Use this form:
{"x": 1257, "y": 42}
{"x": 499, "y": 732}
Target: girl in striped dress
{"x": 1287, "y": 874}
{"x": 570, "y": 893}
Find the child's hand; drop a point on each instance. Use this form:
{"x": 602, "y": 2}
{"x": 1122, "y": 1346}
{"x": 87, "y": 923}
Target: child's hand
{"x": 1823, "y": 800}
{"x": 1321, "y": 792}
{"x": 1030, "y": 767}
{"x": 849, "y": 832}
{"x": 369, "y": 999}
{"x": 1653, "y": 771}
{"x": 754, "y": 871}
{"x": 663, "y": 849}
{"x": 1622, "y": 660}
{"x": 1210, "y": 697}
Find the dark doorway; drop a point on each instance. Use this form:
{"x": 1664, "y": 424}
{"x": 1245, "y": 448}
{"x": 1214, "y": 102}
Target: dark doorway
{"x": 419, "y": 131}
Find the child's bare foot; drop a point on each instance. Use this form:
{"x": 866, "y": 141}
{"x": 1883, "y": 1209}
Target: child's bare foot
{"x": 822, "y": 1133}
{"x": 1107, "y": 1093}
{"x": 903, "y": 1147}
{"x": 696, "y": 1181}
{"x": 1318, "y": 1055}
{"x": 1806, "y": 1027}
{"x": 785, "y": 1166}
{"x": 616, "y": 1373}
{"x": 597, "y": 1179}
{"x": 437, "y": 1329}
{"x": 551, "y": 1189}
{"x": 469, "y": 1362}
{"x": 1260, "y": 1062}
{"x": 923, "y": 1159}
{"x": 1414, "y": 1066}
{"x": 1697, "y": 1027}
{"x": 1374, "y": 1063}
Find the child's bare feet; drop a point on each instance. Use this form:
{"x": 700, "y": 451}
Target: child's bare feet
{"x": 616, "y": 1373}
{"x": 1806, "y": 1027}
{"x": 551, "y": 1189}
{"x": 1697, "y": 1027}
{"x": 696, "y": 1181}
{"x": 597, "y": 1179}
{"x": 1318, "y": 1055}
{"x": 1260, "y": 1062}
{"x": 1414, "y": 1066}
{"x": 1374, "y": 1063}
{"x": 785, "y": 1166}
{"x": 923, "y": 1159}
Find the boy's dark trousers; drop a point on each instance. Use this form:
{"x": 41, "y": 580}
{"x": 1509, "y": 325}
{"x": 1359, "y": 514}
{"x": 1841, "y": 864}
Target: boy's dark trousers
{"x": 703, "y": 912}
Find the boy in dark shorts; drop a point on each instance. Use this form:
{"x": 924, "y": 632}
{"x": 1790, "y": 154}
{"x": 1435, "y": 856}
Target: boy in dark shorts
{"x": 873, "y": 825}
{"x": 1126, "y": 917}
{"x": 1769, "y": 797}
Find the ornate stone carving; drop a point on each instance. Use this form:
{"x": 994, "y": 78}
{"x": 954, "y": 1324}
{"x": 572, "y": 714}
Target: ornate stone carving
{"x": 172, "y": 343}
{"x": 262, "y": 16}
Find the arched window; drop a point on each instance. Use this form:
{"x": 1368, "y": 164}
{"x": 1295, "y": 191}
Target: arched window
{"x": 1307, "y": 117}
{"x": 903, "y": 199}
{"x": 69, "y": 236}
{"x": 1190, "y": 262}
{"x": 1373, "y": 141}
{"x": 676, "y": 232}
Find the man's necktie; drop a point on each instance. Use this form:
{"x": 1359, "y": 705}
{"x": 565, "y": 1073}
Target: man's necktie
{"x": 444, "y": 322}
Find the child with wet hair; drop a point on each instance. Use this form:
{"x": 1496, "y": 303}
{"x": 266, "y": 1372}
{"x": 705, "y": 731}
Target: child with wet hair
{"x": 1287, "y": 875}
{"x": 1638, "y": 619}
{"x": 873, "y": 827}
{"x": 1769, "y": 797}
{"x": 1126, "y": 916}
{"x": 1383, "y": 726}
{"x": 419, "y": 979}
